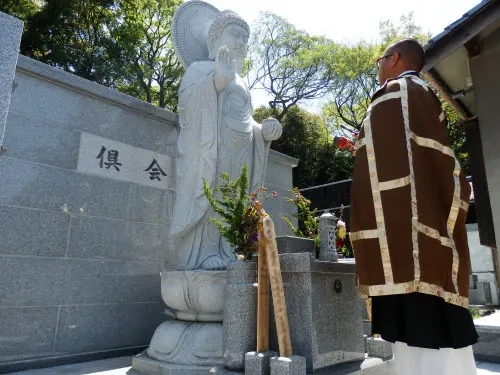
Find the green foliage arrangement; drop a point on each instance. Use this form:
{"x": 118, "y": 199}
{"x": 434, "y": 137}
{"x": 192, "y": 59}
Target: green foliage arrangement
{"x": 307, "y": 218}
{"x": 240, "y": 215}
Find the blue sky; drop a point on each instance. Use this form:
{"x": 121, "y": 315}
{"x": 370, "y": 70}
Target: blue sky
{"x": 349, "y": 20}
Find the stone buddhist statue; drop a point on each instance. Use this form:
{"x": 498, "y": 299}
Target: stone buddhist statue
{"x": 217, "y": 131}
{"x": 217, "y": 135}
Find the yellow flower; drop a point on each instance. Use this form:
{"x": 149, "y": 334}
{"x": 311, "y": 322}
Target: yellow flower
{"x": 342, "y": 232}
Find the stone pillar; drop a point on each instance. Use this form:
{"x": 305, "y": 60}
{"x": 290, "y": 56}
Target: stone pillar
{"x": 11, "y": 30}
{"x": 240, "y": 314}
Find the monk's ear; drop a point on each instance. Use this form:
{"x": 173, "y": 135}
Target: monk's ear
{"x": 395, "y": 58}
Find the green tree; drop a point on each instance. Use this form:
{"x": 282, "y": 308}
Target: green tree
{"x": 75, "y": 36}
{"x": 306, "y": 137}
{"x": 356, "y": 72}
{"x": 290, "y": 65}
{"x": 152, "y": 71}
{"x": 456, "y": 133}
{"x": 22, "y": 9}
{"x": 123, "y": 44}
{"x": 357, "y": 81}
{"x": 355, "y": 84}
{"x": 391, "y": 33}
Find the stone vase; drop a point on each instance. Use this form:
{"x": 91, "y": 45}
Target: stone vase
{"x": 240, "y": 314}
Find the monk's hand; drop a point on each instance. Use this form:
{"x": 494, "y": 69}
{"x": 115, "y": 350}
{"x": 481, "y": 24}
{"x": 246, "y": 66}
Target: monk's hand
{"x": 271, "y": 129}
{"x": 224, "y": 72}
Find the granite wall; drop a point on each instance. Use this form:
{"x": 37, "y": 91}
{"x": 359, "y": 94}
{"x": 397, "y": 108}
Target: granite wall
{"x": 83, "y": 238}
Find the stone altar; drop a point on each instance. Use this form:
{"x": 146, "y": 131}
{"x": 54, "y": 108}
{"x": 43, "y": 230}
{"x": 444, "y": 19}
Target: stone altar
{"x": 323, "y": 309}
{"x": 217, "y": 135}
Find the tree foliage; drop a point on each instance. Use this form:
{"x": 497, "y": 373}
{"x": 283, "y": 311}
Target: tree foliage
{"x": 308, "y": 225}
{"x": 306, "y": 137}
{"x": 123, "y": 44}
{"x": 356, "y": 82}
{"x": 21, "y": 9}
{"x": 152, "y": 71}
{"x": 75, "y": 36}
{"x": 289, "y": 64}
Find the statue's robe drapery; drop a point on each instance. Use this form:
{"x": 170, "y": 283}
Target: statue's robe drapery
{"x": 409, "y": 198}
{"x": 217, "y": 135}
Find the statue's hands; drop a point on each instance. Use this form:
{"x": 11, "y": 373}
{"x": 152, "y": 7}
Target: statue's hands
{"x": 271, "y": 129}
{"x": 224, "y": 72}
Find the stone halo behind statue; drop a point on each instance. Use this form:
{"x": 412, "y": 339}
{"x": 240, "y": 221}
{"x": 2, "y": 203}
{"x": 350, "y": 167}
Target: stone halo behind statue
{"x": 190, "y": 27}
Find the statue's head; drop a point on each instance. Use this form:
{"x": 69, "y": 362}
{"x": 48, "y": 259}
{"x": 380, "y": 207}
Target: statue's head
{"x": 230, "y": 30}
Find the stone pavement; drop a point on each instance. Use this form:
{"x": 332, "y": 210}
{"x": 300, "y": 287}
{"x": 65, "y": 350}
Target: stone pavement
{"x": 120, "y": 366}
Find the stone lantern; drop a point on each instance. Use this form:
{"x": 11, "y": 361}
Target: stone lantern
{"x": 327, "y": 238}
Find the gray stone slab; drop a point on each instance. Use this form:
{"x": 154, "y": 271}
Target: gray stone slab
{"x": 92, "y": 237}
{"x": 337, "y": 318}
{"x": 327, "y": 326}
{"x": 37, "y": 186}
{"x": 113, "y": 267}
{"x": 32, "y": 67}
{"x": 102, "y": 327}
{"x": 10, "y": 38}
{"x": 77, "y": 110}
{"x": 488, "y": 347}
{"x": 144, "y": 365}
{"x": 33, "y": 232}
{"x": 279, "y": 175}
{"x": 286, "y": 160}
{"x": 41, "y": 142}
{"x": 240, "y": 314}
{"x": 294, "y": 365}
{"x": 40, "y": 281}
{"x": 111, "y": 366}
{"x": 224, "y": 371}
{"x": 376, "y": 347}
{"x": 292, "y": 245}
{"x": 279, "y": 204}
{"x": 27, "y": 332}
{"x": 368, "y": 366}
{"x": 258, "y": 363}
{"x": 481, "y": 295}
{"x": 280, "y": 227}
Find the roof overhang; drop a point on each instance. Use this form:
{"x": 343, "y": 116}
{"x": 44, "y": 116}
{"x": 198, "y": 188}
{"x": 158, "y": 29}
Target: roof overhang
{"x": 448, "y": 54}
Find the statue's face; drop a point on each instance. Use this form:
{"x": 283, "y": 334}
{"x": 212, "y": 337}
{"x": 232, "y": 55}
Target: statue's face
{"x": 235, "y": 37}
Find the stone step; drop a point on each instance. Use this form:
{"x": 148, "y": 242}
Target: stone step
{"x": 369, "y": 366}
{"x": 488, "y": 347}
{"x": 378, "y": 348}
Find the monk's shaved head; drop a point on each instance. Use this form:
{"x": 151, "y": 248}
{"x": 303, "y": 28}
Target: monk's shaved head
{"x": 411, "y": 52}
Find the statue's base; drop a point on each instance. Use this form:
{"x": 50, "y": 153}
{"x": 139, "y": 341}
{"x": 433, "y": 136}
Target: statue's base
{"x": 144, "y": 365}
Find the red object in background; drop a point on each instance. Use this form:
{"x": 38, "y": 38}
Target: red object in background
{"x": 342, "y": 143}
{"x": 340, "y": 242}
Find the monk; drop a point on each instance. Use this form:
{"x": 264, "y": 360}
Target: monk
{"x": 409, "y": 205}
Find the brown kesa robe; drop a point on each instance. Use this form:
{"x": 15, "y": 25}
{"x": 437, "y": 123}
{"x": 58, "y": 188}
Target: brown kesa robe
{"x": 409, "y": 198}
